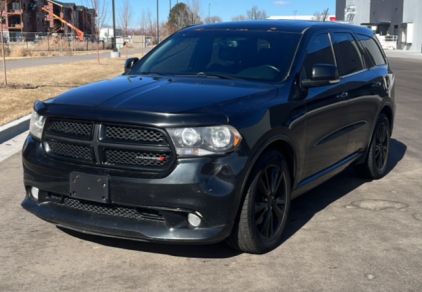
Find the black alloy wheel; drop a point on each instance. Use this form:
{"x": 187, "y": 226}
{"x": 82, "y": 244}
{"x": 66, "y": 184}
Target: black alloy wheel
{"x": 381, "y": 146}
{"x": 375, "y": 165}
{"x": 263, "y": 215}
{"x": 270, "y": 201}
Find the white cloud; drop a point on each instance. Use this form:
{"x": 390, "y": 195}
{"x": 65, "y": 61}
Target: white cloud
{"x": 283, "y": 3}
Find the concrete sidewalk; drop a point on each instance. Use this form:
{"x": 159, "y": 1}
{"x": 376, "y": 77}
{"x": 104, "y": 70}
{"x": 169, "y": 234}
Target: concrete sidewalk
{"x": 27, "y": 63}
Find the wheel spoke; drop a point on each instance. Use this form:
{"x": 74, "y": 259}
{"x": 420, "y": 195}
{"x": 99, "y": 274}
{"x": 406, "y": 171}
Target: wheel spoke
{"x": 274, "y": 179}
{"x": 279, "y": 201}
{"x": 262, "y": 188}
{"x": 279, "y": 211}
{"x": 266, "y": 182}
{"x": 260, "y": 218}
{"x": 266, "y": 225}
{"x": 260, "y": 206}
{"x": 271, "y": 227}
{"x": 379, "y": 161}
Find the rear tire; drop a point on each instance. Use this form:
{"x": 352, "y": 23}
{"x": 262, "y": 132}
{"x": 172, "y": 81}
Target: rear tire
{"x": 264, "y": 213}
{"x": 375, "y": 165}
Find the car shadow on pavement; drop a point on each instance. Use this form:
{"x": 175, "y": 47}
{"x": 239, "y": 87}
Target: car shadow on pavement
{"x": 306, "y": 206}
{"x": 303, "y": 209}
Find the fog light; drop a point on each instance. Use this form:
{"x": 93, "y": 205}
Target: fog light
{"x": 194, "y": 220}
{"x": 34, "y": 193}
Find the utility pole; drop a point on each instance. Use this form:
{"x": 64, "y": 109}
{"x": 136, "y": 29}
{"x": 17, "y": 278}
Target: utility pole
{"x": 158, "y": 23}
{"x": 114, "y": 28}
{"x": 209, "y": 11}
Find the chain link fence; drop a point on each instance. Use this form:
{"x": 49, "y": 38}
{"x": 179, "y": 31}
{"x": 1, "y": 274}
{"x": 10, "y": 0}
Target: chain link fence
{"x": 37, "y": 44}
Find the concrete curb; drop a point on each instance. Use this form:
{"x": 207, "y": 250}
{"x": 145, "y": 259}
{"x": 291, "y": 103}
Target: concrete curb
{"x": 14, "y": 128}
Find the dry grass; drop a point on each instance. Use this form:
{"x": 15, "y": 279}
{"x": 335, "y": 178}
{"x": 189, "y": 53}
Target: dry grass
{"x": 49, "y": 81}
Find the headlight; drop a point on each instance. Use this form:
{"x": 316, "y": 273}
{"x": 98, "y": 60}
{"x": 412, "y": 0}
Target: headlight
{"x": 205, "y": 140}
{"x": 36, "y": 125}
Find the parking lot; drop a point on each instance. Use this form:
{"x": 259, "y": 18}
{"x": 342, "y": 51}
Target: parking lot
{"x": 346, "y": 235}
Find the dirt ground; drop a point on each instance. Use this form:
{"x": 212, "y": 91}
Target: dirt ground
{"x": 28, "y": 85}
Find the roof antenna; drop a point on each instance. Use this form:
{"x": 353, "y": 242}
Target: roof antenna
{"x": 326, "y": 14}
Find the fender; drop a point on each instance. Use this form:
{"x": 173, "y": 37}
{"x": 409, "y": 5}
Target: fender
{"x": 365, "y": 154}
{"x": 252, "y": 162}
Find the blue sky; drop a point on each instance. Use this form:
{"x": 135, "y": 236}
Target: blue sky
{"x": 227, "y": 9}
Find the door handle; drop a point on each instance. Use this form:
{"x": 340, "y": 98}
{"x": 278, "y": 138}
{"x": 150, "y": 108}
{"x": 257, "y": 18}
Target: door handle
{"x": 342, "y": 95}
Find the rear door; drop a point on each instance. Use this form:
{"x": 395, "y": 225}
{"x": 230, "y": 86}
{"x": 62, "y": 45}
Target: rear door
{"x": 365, "y": 107}
{"x": 327, "y": 111}
{"x": 359, "y": 79}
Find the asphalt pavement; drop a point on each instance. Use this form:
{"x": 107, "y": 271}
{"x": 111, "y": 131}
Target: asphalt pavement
{"x": 27, "y": 63}
{"x": 346, "y": 235}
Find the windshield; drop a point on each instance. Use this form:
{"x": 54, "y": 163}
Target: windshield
{"x": 264, "y": 56}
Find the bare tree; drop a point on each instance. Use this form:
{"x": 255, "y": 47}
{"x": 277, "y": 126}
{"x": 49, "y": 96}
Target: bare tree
{"x": 142, "y": 22}
{"x": 126, "y": 17}
{"x": 101, "y": 15}
{"x": 213, "y": 19}
{"x": 321, "y": 16}
{"x": 101, "y": 10}
{"x": 151, "y": 28}
{"x": 255, "y": 14}
{"x": 239, "y": 18}
{"x": 195, "y": 9}
{"x": 3, "y": 5}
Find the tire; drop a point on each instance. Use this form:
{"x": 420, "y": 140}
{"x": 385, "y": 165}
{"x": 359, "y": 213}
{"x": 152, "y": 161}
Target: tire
{"x": 265, "y": 209}
{"x": 375, "y": 165}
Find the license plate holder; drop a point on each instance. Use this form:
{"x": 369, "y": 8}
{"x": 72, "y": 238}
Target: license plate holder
{"x": 89, "y": 187}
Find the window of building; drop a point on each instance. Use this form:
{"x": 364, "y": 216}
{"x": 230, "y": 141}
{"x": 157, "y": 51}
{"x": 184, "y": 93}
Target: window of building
{"x": 16, "y": 6}
{"x": 319, "y": 52}
{"x": 349, "y": 58}
{"x": 372, "y": 50}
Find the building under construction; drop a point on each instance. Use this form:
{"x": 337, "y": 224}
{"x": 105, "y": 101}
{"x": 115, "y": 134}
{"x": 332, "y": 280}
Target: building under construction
{"x": 25, "y": 16}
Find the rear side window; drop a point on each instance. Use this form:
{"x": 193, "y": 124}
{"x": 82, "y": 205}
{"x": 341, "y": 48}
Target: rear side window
{"x": 349, "y": 58}
{"x": 372, "y": 50}
{"x": 319, "y": 52}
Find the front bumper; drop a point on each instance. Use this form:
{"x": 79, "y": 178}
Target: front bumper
{"x": 208, "y": 187}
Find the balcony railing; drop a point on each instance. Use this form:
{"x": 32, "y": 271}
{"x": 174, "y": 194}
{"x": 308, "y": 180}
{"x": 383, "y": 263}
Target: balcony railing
{"x": 11, "y": 11}
{"x": 15, "y": 25}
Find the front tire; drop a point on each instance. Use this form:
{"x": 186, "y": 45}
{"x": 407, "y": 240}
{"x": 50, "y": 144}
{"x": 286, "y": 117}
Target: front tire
{"x": 375, "y": 165}
{"x": 265, "y": 210}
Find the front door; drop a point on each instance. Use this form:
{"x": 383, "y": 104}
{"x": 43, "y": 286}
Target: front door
{"x": 327, "y": 112}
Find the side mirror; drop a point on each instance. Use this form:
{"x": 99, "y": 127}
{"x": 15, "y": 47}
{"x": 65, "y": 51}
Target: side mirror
{"x": 322, "y": 75}
{"x": 129, "y": 63}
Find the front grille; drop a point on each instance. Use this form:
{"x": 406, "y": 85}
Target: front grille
{"x": 67, "y": 128}
{"x": 112, "y": 210}
{"x": 109, "y": 145}
{"x": 69, "y": 150}
{"x": 137, "y": 158}
{"x": 121, "y": 133}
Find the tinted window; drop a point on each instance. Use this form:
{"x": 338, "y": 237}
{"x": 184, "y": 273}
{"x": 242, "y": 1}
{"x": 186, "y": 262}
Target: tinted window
{"x": 319, "y": 52}
{"x": 349, "y": 58}
{"x": 177, "y": 57}
{"x": 372, "y": 50}
{"x": 250, "y": 55}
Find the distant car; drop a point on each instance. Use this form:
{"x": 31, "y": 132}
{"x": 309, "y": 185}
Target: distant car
{"x": 213, "y": 133}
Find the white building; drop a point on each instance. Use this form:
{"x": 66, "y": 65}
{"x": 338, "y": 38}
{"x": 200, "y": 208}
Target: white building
{"x": 106, "y": 33}
{"x": 401, "y": 19}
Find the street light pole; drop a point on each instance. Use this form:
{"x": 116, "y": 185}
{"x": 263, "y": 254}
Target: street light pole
{"x": 158, "y": 23}
{"x": 114, "y": 28}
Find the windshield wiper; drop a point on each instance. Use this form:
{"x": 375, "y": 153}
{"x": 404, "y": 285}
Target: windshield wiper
{"x": 152, "y": 73}
{"x": 203, "y": 74}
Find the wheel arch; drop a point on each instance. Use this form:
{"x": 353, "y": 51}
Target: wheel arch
{"x": 388, "y": 111}
{"x": 280, "y": 143}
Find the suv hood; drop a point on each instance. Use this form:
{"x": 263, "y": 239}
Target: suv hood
{"x": 170, "y": 95}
